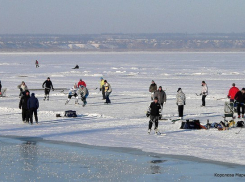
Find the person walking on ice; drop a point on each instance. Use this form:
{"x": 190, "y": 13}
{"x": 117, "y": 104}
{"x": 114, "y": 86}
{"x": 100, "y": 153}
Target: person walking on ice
{"x": 108, "y": 91}
{"x": 154, "y": 110}
{"x": 232, "y": 92}
{"x": 102, "y": 87}
{"x": 23, "y": 104}
{"x": 72, "y": 93}
{"x": 23, "y": 87}
{"x": 240, "y": 100}
{"x": 47, "y": 84}
{"x": 36, "y": 63}
{"x": 83, "y": 91}
{"x": 33, "y": 105}
{"x": 152, "y": 89}
{"x": 204, "y": 93}
{"x": 180, "y": 101}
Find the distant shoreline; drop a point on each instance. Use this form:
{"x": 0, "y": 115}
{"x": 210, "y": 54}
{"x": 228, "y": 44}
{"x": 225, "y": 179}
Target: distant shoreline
{"x": 119, "y": 51}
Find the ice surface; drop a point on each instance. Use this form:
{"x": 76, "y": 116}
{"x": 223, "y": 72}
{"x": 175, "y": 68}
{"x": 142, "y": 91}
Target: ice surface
{"x": 123, "y": 123}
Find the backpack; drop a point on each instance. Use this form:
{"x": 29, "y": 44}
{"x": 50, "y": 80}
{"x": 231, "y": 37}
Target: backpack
{"x": 240, "y": 124}
{"x": 70, "y": 113}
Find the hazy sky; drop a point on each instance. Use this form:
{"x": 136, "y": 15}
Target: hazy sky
{"x": 121, "y": 16}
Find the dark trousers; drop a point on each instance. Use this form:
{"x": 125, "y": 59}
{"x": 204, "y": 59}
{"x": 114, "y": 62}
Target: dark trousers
{"x": 103, "y": 92}
{"x": 239, "y": 106}
{"x": 181, "y": 110}
{"x": 107, "y": 97}
{"x": 46, "y": 91}
{"x": 33, "y": 111}
{"x": 203, "y": 100}
{"x": 153, "y": 119}
{"x": 25, "y": 115}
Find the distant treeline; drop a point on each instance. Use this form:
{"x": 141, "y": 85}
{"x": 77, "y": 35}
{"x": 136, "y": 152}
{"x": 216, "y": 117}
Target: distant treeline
{"x": 125, "y": 42}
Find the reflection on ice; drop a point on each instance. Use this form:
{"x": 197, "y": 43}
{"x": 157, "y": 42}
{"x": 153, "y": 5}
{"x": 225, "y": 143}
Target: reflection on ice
{"x": 36, "y": 160}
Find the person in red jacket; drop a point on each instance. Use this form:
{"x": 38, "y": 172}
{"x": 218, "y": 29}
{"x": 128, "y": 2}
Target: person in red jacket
{"x": 232, "y": 92}
{"x": 81, "y": 82}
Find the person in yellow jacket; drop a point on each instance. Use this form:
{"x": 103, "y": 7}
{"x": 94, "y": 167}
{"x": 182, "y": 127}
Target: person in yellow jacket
{"x": 102, "y": 88}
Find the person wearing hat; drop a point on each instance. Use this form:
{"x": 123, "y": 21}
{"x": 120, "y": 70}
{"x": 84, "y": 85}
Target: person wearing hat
{"x": 23, "y": 87}
{"x": 152, "y": 89}
{"x": 154, "y": 110}
{"x": 81, "y": 82}
{"x": 102, "y": 88}
{"x": 23, "y": 105}
{"x": 232, "y": 92}
{"x": 180, "y": 101}
{"x": 108, "y": 91}
{"x": 161, "y": 95}
{"x": 240, "y": 99}
{"x": 33, "y": 105}
{"x": 204, "y": 93}
{"x": 47, "y": 84}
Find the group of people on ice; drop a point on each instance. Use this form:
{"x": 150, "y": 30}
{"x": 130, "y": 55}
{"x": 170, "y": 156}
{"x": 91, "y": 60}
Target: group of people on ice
{"x": 81, "y": 89}
{"x": 78, "y": 89}
{"x": 30, "y": 104}
{"x": 237, "y": 97}
{"x": 156, "y": 107}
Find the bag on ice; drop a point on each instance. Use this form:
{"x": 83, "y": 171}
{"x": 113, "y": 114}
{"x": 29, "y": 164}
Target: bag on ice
{"x": 190, "y": 124}
{"x": 70, "y": 113}
{"x": 240, "y": 124}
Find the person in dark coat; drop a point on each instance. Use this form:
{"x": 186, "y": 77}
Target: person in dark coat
{"x": 154, "y": 109}
{"x": 240, "y": 100}
{"x": 0, "y": 87}
{"x": 152, "y": 88}
{"x": 33, "y": 105}
{"x": 23, "y": 105}
{"x": 48, "y": 86}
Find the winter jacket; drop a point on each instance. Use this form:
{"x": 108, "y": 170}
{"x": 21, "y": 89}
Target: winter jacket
{"x": 161, "y": 95}
{"x": 22, "y": 87}
{"x": 180, "y": 98}
{"x": 81, "y": 83}
{"x": 33, "y": 102}
{"x": 204, "y": 90}
{"x": 240, "y": 97}
{"x": 102, "y": 83}
{"x": 108, "y": 87}
{"x": 72, "y": 91}
{"x": 23, "y": 102}
{"x": 154, "y": 109}
{"x": 48, "y": 84}
{"x": 0, "y": 87}
{"x": 232, "y": 92}
{"x": 83, "y": 91}
{"x": 153, "y": 87}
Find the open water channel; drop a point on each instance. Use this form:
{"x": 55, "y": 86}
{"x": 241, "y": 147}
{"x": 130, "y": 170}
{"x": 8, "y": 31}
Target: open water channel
{"x": 33, "y": 159}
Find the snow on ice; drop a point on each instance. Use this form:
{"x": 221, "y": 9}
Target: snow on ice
{"x": 123, "y": 123}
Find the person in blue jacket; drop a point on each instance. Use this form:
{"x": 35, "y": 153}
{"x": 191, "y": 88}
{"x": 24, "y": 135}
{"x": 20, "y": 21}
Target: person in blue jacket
{"x": 33, "y": 105}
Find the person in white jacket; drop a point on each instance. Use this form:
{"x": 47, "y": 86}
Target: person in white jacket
{"x": 73, "y": 93}
{"x": 180, "y": 101}
{"x": 204, "y": 93}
